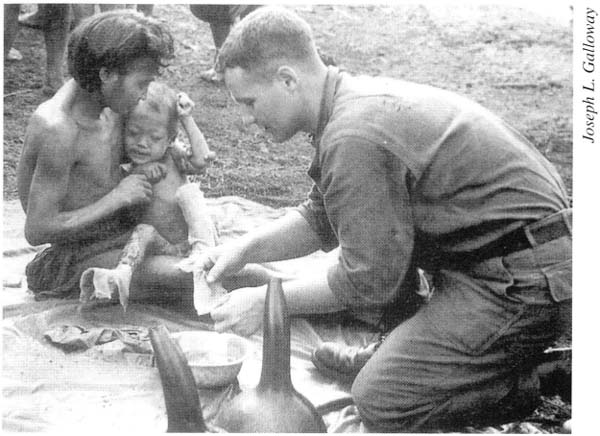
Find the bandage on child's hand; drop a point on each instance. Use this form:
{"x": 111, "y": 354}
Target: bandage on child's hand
{"x": 181, "y": 153}
{"x": 185, "y": 105}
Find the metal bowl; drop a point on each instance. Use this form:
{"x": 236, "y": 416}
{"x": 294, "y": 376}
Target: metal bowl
{"x": 215, "y": 358}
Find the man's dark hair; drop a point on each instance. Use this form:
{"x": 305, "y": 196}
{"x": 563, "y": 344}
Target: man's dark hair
{"x": 114, "y": 40}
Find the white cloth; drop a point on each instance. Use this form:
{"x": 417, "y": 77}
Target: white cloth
{"x": 109, "y": 388}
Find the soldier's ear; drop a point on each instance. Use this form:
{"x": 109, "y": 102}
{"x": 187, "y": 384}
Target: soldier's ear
{"x": 288, "y": 77}
{"x": 107, "y": 76}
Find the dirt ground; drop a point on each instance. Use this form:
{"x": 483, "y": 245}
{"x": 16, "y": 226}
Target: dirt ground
{"x": 511, "y": 60}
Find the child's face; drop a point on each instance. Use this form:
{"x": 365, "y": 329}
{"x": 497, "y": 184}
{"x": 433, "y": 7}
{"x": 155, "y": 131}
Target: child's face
{"x": 146, "y": 135}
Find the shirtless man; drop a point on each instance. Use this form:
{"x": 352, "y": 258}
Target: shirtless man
{"x": 69, "y": 177}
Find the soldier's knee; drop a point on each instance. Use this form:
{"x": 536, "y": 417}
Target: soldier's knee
{"x": 360, "y": 390}
{"x": 366, "y": 395}
{"x": 384, "y": 408}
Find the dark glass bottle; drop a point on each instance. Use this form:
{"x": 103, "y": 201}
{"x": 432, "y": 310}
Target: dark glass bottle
{"x": 274, "y": 405}
{"x": 184, "y": 413}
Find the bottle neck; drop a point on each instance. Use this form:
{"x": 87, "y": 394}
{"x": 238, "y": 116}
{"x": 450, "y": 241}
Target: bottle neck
{"x": 275, "y": 373}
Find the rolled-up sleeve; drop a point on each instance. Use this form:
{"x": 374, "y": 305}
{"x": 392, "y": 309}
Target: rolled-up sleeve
{"x": 368, "y": 205}
{"x": 313, "y": 211}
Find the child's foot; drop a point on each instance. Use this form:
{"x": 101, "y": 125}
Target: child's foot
{"x": 106, "y": 285}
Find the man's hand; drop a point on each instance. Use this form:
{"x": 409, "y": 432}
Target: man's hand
{"x": 240, "y": 311}
{"x": 133, "y": 189}
{"x": 185, "y": 105}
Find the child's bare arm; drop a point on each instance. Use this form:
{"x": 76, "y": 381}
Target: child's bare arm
{"x": 201, "y": 154}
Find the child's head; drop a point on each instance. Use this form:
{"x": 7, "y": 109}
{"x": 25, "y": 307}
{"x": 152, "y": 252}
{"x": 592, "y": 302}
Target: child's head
{"x": 152, "y": 125}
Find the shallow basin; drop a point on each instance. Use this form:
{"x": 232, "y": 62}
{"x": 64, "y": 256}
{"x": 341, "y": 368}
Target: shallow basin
{"x": 215, "y": 358}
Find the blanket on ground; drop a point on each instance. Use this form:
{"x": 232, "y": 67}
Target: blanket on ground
{"x": 101, "y": 379}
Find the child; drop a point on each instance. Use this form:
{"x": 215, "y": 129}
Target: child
{"x": 175, "y": 222}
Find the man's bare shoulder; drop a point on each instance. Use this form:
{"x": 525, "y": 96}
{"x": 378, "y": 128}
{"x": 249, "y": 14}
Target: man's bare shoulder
{"x": 52, "y": 125}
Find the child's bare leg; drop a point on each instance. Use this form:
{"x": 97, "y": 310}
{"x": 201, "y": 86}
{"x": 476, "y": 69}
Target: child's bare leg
{"x": 103, "y": 284}
{"x": 201, "y": 234}
{"x": 201, "y": 229}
